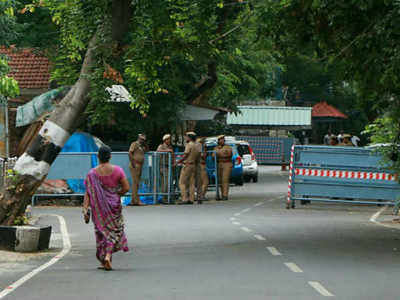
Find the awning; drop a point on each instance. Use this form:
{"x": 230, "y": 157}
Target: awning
{"x": 198, "y": 113}
{"x": 287, "y": 117}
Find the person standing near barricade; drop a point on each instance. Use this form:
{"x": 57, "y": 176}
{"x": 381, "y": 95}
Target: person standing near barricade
{"x": 202, "y": 177}
{"x": 189, "y": 159}
{"x": 166, "y": 147}
{"x": 346, "y": 141}
{"x": 197, "y": 179}
{"x": 224, "y": 160}
{"x": 137, "y": 152}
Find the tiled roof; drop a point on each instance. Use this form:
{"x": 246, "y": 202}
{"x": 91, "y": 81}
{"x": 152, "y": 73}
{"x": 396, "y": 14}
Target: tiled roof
{"x": 283, "y": 116}
{"x": 323, "y": 109}
{"x": 30, "y": 69}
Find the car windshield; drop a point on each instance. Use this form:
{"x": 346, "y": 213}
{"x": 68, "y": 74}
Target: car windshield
{"x": 243, "y": 149}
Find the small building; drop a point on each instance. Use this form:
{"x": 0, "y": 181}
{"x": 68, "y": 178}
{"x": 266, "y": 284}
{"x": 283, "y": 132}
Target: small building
{"x": 31, "y": 69}
{"x": 270, "y": 120}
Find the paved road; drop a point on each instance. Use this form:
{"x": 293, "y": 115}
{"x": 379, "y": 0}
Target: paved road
{"x": 250, "y": 247}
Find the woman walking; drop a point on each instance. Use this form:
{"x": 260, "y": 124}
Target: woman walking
{"x": 105, "y": 184}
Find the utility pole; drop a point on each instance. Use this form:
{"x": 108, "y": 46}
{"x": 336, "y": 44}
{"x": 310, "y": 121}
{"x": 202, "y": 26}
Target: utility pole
{"x": 7, "y": 135}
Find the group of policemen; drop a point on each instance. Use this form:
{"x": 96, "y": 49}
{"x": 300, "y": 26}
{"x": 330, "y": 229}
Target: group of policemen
{"x": 342, "y": 140}
{"x": 193, "y": 179}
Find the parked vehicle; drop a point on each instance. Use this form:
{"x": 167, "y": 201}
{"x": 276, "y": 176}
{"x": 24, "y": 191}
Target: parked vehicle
{"x": 250, "y": 166}
{"x": 237, "y": 169}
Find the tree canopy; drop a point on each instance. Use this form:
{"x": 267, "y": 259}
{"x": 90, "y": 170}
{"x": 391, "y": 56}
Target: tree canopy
{"x": 8, "y": 33}
{"x": 167, "y": 53}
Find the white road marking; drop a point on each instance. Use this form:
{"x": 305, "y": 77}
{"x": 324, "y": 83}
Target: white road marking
{"x": 237, "y": 214}
{"x": 232, "y": 219}
{"x": 320, "y": 289}
{"x": 293, "y": 267}
{"x": 245, "y": 210}
{"x": 377, "y": 214}
{"x": 274, "y": 251}
{"x": 66, "y": 248}
{"x": 245, "y": 229}
{"x": 236, "y": 223}
{"x": 258, "y": 204}
{"x": 259, "y": 237}
{"x": 278, "y": 198}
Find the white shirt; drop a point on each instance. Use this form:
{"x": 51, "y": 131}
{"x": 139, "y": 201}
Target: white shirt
{"x": 355, "y": 139}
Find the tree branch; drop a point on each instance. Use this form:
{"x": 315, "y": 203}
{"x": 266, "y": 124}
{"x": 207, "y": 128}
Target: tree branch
{"x": 231, "y": 30}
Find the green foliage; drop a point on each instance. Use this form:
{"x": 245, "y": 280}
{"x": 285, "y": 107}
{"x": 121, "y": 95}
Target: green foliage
{"x": 36, "y": 28}
{"x": 8, "y": 26}
{"x": 385, "y": 133}
{"x": 383, "y": 130}
{"x": 166, "y": 60}
{"x": 359, "y": 38}
{"x": 21, "y": 220}
{"x": 8, "y": 86}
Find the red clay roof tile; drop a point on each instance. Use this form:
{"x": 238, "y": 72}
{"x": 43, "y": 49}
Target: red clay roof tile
{"x": 323, "y": 109}
{"x": 30, "y": 69}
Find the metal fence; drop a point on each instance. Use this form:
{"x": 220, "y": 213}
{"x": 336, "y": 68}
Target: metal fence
{"x": 159, "y": 180}
{"x": 340, "y": 174}
{"x": 269, "y": 150}
{"x": 6, "y": 164}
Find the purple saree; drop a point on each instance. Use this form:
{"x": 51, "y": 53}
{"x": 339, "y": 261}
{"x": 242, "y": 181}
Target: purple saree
{"x": 107, "y": 217}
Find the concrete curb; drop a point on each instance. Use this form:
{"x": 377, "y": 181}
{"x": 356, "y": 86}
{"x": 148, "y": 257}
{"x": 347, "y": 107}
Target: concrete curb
{"x": 26, "y": 238}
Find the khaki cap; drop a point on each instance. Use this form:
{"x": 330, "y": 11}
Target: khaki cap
{"x": 166, "y": 137}
{"x": 142, "y": 136}
{"x": 346, "y": 135}
{"x": 190, "y": 133}
{"x": 222, "y": 136}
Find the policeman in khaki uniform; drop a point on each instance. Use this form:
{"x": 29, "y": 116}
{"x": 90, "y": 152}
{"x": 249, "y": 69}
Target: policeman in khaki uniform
{"x": 137, "y": 151}
{"x": 190, "y": 157}
{"x": 203, "y": 176}
{"x": 200, "y": 180}
{"x": 164, "y": 164}
{"x": 224, "y": 160}
{"x": 346, "y": 141}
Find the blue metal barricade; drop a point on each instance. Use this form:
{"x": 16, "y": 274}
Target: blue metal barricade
{"x": 156, "y": 180}
{"x": 340, "y": 174}
{"x": 270, "y": 150}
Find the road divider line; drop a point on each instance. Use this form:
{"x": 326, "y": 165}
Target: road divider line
{"x": 293, "y": 267}
{"x": 377, "y": 214}
{"x": 236, "y": 223}
{"x": 258, "y": 204}
{"x": 232, "y": 219}
{"x": 320, "y": 289}
{"x": 245, "y": 229}
{"x": 66, "y": 248}
{"x": 237, "y": 214}
{"x": 277, "y": 198}
{"x": 274, "y": 251}
{"x": 259, "y": 237}
{"x": 246, "y": 210}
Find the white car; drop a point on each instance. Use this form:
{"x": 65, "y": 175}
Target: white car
{"x": 250, "y": 166}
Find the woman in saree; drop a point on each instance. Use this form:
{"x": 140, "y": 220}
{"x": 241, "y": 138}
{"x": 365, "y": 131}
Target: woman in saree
{"x": 105, "y": 184}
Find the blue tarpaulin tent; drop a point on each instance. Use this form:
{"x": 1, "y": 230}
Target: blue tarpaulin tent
{"x": 80, "y": 142}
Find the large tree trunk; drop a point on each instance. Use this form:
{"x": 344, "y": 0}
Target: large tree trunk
{"x": 32, "y": 167}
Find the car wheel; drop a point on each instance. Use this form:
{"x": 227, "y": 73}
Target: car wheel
{"x": 239, "y": 181}
{"x": 255, "y": 178}
{"x": 246, "y": 179}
